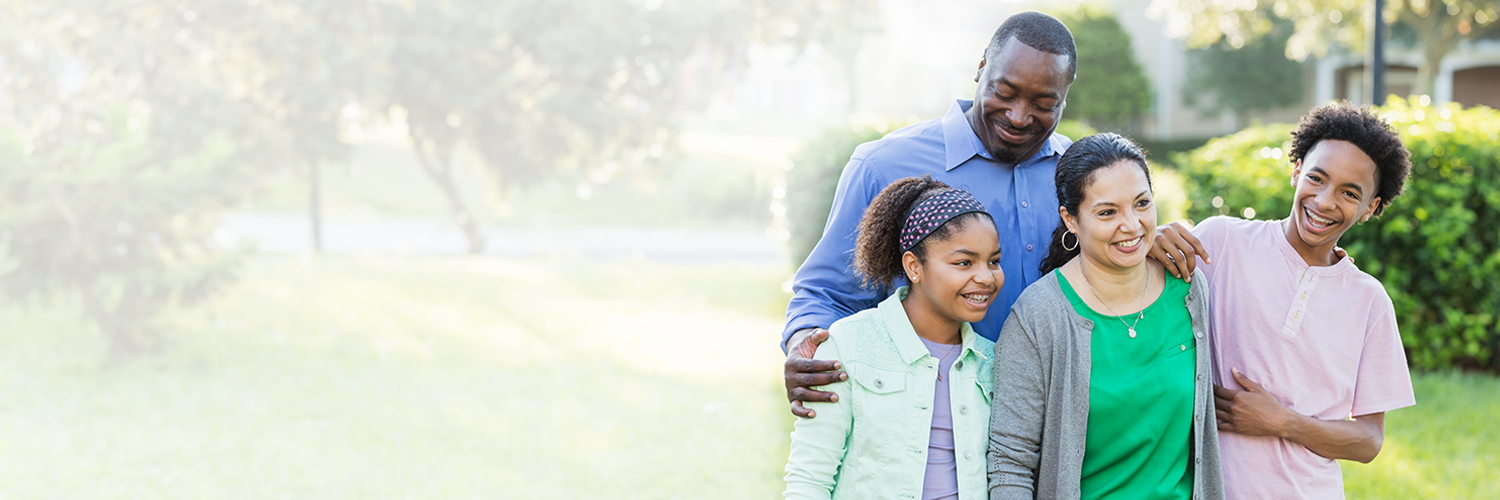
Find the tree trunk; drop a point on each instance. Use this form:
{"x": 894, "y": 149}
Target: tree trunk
{"x": 437, "y": 163}
{"x": 313, "y": 207}
{"x": 121, "y": 341}
{"x": 1438, "y": 35}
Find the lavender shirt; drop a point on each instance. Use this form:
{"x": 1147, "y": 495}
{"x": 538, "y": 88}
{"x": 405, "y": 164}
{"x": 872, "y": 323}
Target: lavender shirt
{"x": 941, "y": 480}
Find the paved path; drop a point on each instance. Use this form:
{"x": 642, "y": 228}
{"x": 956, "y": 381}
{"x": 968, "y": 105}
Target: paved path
{"x": 291, "y": 233}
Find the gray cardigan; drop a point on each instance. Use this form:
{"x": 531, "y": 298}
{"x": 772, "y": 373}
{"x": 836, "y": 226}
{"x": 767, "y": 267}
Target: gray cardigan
{"x": 1041, "y": 406}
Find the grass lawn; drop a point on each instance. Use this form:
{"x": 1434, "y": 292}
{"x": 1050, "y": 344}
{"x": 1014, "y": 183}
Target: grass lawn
{"x": 481, "y": 378}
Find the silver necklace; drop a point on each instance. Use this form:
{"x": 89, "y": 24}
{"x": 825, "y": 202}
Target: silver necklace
{"x": 945, "y": 356}
{"x": 1144, "y": 286}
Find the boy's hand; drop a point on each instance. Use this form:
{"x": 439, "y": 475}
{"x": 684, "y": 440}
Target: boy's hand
{"x": 1175, "y": 248}
{"x": 802, "y": 373}
{"x": 1251, "y": 412}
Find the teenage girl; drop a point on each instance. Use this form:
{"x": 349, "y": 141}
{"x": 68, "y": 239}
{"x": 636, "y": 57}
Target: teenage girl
{"x": 912, "y": 419}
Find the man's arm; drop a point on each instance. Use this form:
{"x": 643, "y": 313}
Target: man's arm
{"x": 801, "y": 372}
{"x": 824, "y": 290}
{"x": 1255, "y": 412}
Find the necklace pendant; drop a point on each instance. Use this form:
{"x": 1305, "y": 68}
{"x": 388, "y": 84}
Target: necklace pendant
{"x": 1132, "y": 333}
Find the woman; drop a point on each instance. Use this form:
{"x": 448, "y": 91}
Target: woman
{"x": 910, "y": 422}
{"x": 1104, "y": 391}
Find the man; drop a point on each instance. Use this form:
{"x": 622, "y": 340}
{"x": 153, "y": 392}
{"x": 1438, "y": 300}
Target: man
{"x": 1308, "y": 355}
{"x": 1000, "y": 147}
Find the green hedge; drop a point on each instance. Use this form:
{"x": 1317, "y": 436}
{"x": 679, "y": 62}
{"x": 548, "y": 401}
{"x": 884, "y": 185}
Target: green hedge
{"x": 1437, "y": 247}
{"x": 815, "y": 175}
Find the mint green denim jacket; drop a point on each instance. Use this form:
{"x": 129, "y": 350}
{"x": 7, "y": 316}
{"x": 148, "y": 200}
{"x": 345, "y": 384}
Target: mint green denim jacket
{"x": 872, "y": 443}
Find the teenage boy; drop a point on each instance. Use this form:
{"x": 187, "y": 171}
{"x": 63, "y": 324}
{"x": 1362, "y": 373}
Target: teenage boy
{"x": 1308, "y": 355}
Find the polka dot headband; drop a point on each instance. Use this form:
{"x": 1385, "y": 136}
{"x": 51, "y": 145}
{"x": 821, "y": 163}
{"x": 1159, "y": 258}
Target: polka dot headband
{"x": 933, "y": 212}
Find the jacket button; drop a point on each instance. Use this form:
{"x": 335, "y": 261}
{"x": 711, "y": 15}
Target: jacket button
{"x": 963, "y": 409}
{"x": 879, "y": 384}
{"x": 959, "y": 365}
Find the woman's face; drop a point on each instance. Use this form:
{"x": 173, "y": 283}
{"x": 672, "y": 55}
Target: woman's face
{"x": 961, "y": 275}
{"x": 1116, "y": 221}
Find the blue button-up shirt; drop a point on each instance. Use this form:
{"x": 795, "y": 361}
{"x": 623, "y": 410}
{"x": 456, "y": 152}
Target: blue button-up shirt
{"x": 1021, "y": 198}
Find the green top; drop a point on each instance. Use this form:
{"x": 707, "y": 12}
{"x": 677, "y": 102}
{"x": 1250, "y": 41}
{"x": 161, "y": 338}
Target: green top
{"x": 1140, "y": 400}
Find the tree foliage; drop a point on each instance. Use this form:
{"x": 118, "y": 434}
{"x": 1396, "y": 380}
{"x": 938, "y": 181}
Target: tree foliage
{"x": 127, "y": 127}
{"x": 1318, "y": 25}
{"x": 1111, "y": 90}
{"x": 1255, "y": 76}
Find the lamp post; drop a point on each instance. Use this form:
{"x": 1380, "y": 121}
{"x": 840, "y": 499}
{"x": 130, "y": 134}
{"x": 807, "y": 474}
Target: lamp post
{"x": 1375, "y": 56}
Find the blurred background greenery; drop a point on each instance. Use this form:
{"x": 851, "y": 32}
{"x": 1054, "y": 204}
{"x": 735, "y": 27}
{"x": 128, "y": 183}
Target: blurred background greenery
{"x": 541, "y": 249}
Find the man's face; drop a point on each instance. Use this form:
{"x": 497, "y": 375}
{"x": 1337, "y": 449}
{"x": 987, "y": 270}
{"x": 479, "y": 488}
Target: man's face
{"x": 1019, "y": 100}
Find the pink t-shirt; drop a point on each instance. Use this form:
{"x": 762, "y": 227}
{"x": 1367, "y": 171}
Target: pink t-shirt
{"x": 1323, "y": 340}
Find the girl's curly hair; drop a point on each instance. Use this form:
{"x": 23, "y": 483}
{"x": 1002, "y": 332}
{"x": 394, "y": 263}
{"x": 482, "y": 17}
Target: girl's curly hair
{"x": 877, "y": 250}
{"x": 1362, "y": 127}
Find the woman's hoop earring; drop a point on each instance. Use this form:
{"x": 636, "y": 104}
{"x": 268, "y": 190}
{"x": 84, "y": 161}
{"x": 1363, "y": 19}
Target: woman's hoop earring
{"x": 1065, "y": 241}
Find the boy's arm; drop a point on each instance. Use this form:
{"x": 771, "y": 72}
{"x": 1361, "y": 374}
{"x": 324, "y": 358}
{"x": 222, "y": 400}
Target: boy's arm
{"x": 1255, "y": 412}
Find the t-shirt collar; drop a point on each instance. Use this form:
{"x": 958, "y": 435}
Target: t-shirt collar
{"x": 961, "y": 143}
{"x": 1295, "y": 259}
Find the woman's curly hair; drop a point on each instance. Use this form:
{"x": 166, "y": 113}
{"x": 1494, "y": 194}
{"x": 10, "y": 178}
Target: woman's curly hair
{"x": 1363, "y": 128}
{"x": 877, "y": 250}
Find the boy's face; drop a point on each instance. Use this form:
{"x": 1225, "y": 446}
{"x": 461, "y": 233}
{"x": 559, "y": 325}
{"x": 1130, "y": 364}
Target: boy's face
{"x": 1335, "y": 190}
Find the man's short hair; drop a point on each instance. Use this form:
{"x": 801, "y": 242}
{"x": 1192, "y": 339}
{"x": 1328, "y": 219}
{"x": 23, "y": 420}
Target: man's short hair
{"x": 1363, "y": 128}
{"x": 1038, "y": 31}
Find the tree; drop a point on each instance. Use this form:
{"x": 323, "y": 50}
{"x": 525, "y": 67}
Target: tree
{"x": 119, "y": 143}
{"x": 1439, "y": 25}
{"x": 566, "y": 88}
{"x": 1111, "y": 90}
{"x": 1252, "y": 77}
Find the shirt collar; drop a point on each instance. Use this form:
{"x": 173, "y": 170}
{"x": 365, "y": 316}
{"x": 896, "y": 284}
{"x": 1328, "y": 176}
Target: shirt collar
{"x": 961, "y": 143}
{"x": 908, "y": 345}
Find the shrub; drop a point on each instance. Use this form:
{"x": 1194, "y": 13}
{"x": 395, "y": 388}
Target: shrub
{"x": 1435, "y": 248}
{"x": 815, "y": 176}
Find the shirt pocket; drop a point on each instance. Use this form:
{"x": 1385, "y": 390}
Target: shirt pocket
{"x": 1179, "y": 348}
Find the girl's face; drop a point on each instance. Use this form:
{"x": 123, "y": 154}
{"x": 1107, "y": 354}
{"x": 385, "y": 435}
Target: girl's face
{"x": 961, "y": 275}
{"x": 1116, "y": 221}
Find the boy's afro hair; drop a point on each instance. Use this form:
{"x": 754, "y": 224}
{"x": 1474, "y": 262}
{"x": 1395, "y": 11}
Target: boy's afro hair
{"x": 1362, "y": 127}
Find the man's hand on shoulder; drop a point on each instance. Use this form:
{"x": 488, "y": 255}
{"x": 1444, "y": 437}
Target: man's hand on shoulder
{"x": 802, "y": 373}
{"x": 1175, "y": 248}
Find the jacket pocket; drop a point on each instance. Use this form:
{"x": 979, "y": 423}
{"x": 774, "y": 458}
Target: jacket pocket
{"x": 880, "y": 381}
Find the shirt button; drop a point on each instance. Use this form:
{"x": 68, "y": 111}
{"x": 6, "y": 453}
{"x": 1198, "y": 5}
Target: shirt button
{"x": 1028, "y": 248}
{"x": 1297, "y": 315}
{"x": 1304, "y": 295}
{"x": 1023, "y": 204}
